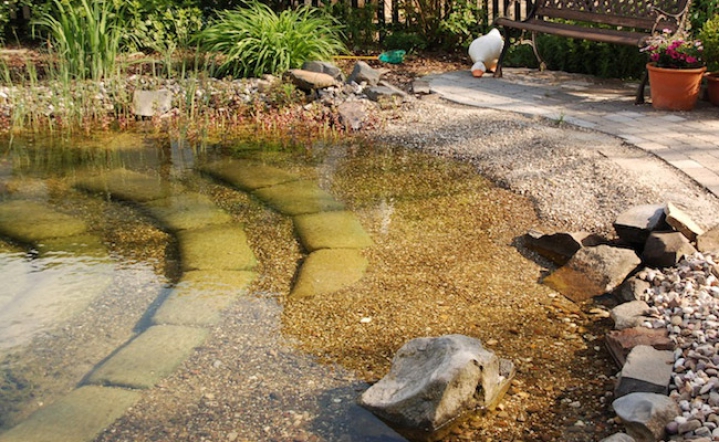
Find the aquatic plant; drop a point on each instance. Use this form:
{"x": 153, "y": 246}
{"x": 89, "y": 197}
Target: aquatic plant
{"x": 85, "y": 35}
{"x": 254, "y": 40}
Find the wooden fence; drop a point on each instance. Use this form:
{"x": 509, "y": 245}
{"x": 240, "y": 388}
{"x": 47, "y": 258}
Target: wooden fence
{"x": 392, "y": 12}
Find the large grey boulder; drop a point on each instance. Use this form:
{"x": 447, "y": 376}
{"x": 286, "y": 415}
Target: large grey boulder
{"x": 433, "y": 381}
{"x": 681, "y": 222}
{"x": 709, "y": 240}
{"x": 632, "y": 289}
{"x": 634, "y": 225}
{"x": 621, "y": 342}
{"x": 363, "y": 73}
{"x": 629, "y": 314}
{"x": 324, "y": 67}
{"x": 309, "y": 81}
{"x": 151, "y": 103}
{"x": 593, "y": 271}
{"x": 352, "y": 115}
{"x": 647, "y": 370}
{"x": 618, "y": 437}
{"x": 646, "y": 415}
{"x": 385, "y": 91}
{"x": 559, "y": 247}
{"x": 666, "y": 249}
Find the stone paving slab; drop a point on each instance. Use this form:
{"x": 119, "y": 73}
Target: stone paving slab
{"x": 221, "y": 247}
{"x": 603, "y": 105}
{"x": 329, "y": 270}
{"x": 298, "y": 198}
{"x": 78, "y": 417}
{"x": 127, "y": 185}
{"x": 150, "y": 357}
{"x": 247, "y": 175}
{"x": 31, "y": 222}
{"x": 331, "y": 230}
{"x": 201, "y": 296}
{"x": 83, "y": 245}
{"x": 186, "y": 211}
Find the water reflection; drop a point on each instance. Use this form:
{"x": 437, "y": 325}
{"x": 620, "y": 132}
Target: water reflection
{"x": 40, "y": 292}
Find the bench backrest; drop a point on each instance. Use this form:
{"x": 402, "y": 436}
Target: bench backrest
{"x": 639, "y": 14}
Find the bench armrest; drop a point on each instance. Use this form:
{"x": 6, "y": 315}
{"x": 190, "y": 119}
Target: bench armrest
{"x": 679, "y": 18}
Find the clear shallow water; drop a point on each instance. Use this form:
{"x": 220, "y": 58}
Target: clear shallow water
{"x": 72, "y": 297}
{"x": 441, "y": 263}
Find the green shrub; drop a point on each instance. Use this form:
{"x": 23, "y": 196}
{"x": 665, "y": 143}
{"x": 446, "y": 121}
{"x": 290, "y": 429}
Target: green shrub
{"x": 161, "y": 27}
{"x": 255, "y": 40}
{"x": 409, "y": 41}
{"x": 709, "y": 36}
{"x": 86, "y": 36}
{"x": 587, "y": 57}
{"x": 360, "y": 28}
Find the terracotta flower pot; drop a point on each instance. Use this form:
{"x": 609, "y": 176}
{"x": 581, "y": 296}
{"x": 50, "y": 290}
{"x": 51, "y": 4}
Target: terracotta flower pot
{"x": 713, "y": 88}
{"x": 674, "y": 89}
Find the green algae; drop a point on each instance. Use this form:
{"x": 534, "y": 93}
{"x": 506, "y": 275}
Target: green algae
{"x": 31, "y": 222}
{"x": 247, "y": 175}
{"x": 329, "y": 270}
{"x": 331, "y": 230}
{"x": 221, "y": 247}
{"x": 185, "y": 211}
{"x": 298, "y": 198}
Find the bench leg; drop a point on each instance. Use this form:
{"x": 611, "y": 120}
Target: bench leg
{"x": 639, "y": 99}
{"x": 542, "y": 64}
{"x": 505, "y": 48}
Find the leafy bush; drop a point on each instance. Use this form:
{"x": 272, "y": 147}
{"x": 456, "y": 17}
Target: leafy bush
{"x": 161, "y": 27}
{"x": 86, "y": 35}
{"x": 588, "y": 57}
{"x": 461, "y": 25}
{"x": 709, "y": 36}
{"x": 255, "y": 40}
{"x": 360, "y": 28}
{"x": 409, "y": 41}
{"x": 701, "y": 11}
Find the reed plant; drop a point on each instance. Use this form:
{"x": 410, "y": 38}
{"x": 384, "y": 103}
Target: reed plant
{"x": 86, "y": 36}
{"x": 254, "y": 40}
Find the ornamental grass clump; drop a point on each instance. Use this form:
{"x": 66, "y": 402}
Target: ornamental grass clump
{"x": 675, "y": 51}
{"x": 85, "y": 35}
{"x": 254, "y": 40}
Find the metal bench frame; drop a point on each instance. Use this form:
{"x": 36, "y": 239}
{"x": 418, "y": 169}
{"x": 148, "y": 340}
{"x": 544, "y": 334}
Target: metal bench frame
{"x": 626, "y": 22}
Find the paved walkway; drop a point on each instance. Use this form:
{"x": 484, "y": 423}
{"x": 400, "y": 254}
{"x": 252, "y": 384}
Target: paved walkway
{"x": 687, "y": 140}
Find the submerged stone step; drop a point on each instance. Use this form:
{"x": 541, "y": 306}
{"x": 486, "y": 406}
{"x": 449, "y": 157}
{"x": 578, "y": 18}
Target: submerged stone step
{"x": 221, "y": 247}
{"x": 201, "y": 296}
{"x": 331, "y": 230}
{"x": 32, "y": 222}
{"x": 186, "y": 211}
{"x": 150, "y": 357}
{"x": 127, "y": 185}
{"x": 298, "y": 198}
{"x": 78, "y": 417}
{"x": 78, "y": 245}
{"x": 247, "y": 175}
{"x": 329, "y": 270}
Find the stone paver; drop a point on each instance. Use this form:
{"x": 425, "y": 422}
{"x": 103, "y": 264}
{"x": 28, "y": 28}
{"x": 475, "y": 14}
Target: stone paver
{"x": 589, "y": 104}
{"x": 150, "y": 357}
{"x": 78, "y": 417}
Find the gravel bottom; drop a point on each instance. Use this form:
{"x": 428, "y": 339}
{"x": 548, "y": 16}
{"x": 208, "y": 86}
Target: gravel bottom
{"x": 447, "y": 259}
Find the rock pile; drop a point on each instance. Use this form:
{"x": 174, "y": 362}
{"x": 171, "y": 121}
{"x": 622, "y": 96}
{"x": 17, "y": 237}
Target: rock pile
{"x": 666, "y": 337}
{"x": 349, "y": 102}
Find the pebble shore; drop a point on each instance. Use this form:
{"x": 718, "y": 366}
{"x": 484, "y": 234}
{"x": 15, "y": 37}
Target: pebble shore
{"x": 685, "y": 300}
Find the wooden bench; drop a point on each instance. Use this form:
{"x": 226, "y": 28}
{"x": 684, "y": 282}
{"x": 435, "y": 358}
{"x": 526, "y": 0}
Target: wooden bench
{"x": 626, "y": 22}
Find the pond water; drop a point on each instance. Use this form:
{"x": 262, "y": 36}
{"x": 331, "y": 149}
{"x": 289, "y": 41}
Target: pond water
{"x": 238, "y": 292}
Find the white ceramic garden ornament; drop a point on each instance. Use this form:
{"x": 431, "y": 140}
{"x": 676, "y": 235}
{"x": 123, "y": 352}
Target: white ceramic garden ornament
{"x": 484, "y": 52}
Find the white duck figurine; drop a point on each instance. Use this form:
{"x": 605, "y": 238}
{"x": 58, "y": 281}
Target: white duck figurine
{"x": 484, "y": 52}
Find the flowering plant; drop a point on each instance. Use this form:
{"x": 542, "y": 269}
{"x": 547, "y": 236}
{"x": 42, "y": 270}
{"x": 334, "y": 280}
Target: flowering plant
{"x": 674, "y": 51}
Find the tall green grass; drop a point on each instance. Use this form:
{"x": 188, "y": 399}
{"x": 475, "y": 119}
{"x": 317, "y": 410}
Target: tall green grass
{"x": 85, "y": 35}
{"x": 254, "y": 40}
